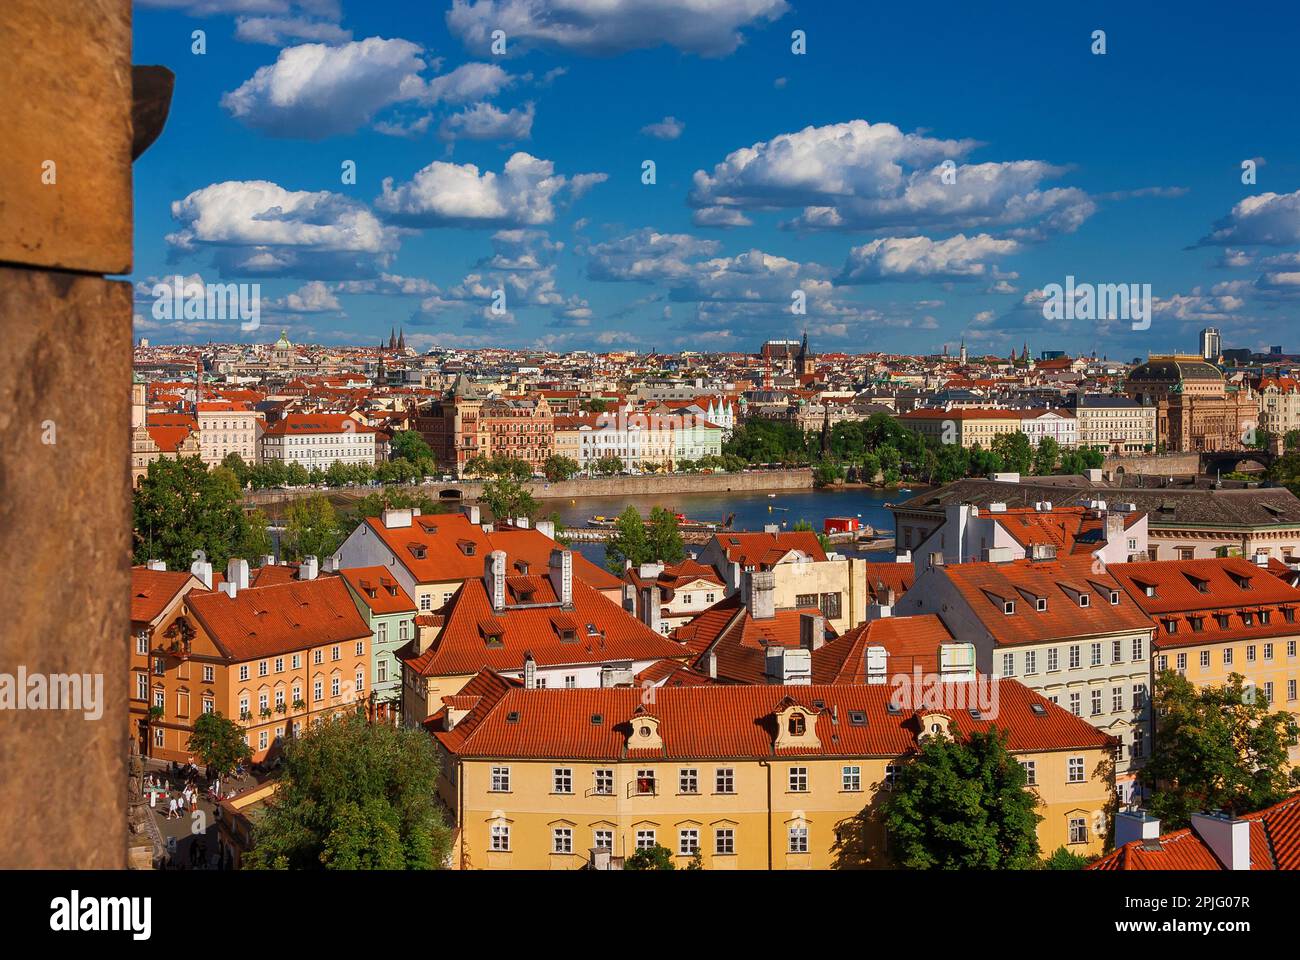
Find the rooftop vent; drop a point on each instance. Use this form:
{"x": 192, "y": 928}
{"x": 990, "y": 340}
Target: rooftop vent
{"x": 857, "y": 718}
{"x": 512, "y": 716}
{"x": 1038, "y": 710}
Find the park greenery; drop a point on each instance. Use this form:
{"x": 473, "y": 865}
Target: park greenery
{"x": 1221, "y": 748}
{"x": 410, "y": 461}
{"x": 640, "y": 541}
{"x": 354, "y": 796}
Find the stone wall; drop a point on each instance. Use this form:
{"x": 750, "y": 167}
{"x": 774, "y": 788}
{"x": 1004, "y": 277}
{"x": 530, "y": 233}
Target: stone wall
{"x": 65, "y": 373}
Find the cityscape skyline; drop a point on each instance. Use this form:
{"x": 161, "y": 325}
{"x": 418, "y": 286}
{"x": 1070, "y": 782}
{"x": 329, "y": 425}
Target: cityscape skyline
{"x": 522, "y": 173}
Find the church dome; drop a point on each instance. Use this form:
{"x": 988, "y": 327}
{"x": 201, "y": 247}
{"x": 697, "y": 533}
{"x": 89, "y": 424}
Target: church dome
{"x": 1174, "y": 370}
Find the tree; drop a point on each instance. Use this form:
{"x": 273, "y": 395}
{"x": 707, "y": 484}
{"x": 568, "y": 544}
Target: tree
{"x": 663, "y": 537}
{"x": 409, "y": 445}
{"x": 181, "y": 507}
{"x": 354, "y": 796}
{"x": 608, "y": 466}
{"x": 219, "y": 742}
{"x": 236, "y": 465}
{"x": 507, "y": 498}
{"x": 1220, "y": 749}
{"x": 1015, "y": 452}
{"x": 962, "y": 804}
{"x": 311, "y": 528}
{"x": 558, "y": 468}
{"x": 629, "y": 542}
{"x": 256, "y": 539}
{"x": 1046, "y": 456}
{"x": 657, "y": 857}
{"x": 1064, "y": 859}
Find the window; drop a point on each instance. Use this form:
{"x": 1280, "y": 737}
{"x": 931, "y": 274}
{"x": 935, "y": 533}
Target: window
{"x": 1139, "y": 743}
{"x": 1031, "y": 661}
{"x": 1139, "y": 696}
{"x": 1075, "y": 770}
{"x": 1227, "y": 656}
{"x": 1116, "y": 651}
{"x": 1182, "y": 662}
{"x": 318, "y": 657}
{"x": 141, "y": 687}
{"x": 645, "y": 839}
{"x": 1008, "y": 664}
{"x": 1205, "y": 659}
{"x": 724, "y": 841}
{"x": 1009, "y": 607}
{"x": 1138, "y": 648}
{"x": 261, "y": 668}
{"x": 1095, "y": 655}
{"x": 361, "y": 680}
{"x": 798, "y": 839}
{"x": 1250, "y": 653}
{"x": 243, "y": 671}
{"x": 209, "y": 673}
{"x": 1116, "y": 699}
{"x": 500, "y": 779}
{"x": 604, "y": 782}
{"x": 1031, "y": 772}
{"x": 361, "y": 648}
{"x": 1268, "y": 652}
{"x": 798, "y": 779}
{"x": 501, "y": 836}
{"x": 1053, "y": 660}
{"x": 142, "y": 643}
{"x": 797, "y": 725}
{"x": 1290, "y": 691}
{"x": 381, "y": 670}
{"x": 1290, "y": 649}
{"x": 334, "y": 652}
{"x": 334, "y": 686}
{"x": 570, "y": 681}
{"x": 688, "y": 842}
{"x": 724, "y": 780}
{"x": 1268, "y": 692}
{"x": 262, "y": 740}
{"x": 279, "y": 664}
{"x": 1074, "y": 703}
{"x": 1074, "y": 656}
{"x": 851, "y": 779}
{"x": 891, "y": 775}
{"x": 160, "y": 699}
{"x": 318, "y": 690}
{"x": 1040, "y": 604}
{"x": 603, "y": 839}
{"x": 1096, "y": 702}
{"x": 1078, "y": 830}
{"x": 688, "y": 781}
{"x": 1162, "y": 663}
{"x": 645, "y": 781}
{"x": 562, "y": 780}
{"x": 562, "y": 840}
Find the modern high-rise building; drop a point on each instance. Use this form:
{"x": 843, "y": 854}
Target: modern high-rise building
{"x": 1211, "y": 344}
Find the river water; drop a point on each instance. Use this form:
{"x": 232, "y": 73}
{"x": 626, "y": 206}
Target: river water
{"x": 753, "y": 511}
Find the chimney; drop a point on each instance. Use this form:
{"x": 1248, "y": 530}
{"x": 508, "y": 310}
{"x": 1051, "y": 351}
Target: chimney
{"x": 471, "y": 510}
{"x": 1261, "y": 558}
{"x": 156, "y": 565}
{"x": 648, "y": 571}
{"x": 1227, "y": 837}
{"x": 629, "y": 598}
{"x": 237, "y": 573}
{"x": 268, "y": 560}
{"x": 713, "y": 664}
{"x": 203, "y": 570}
{"x": 1133, "y": 825}
{"x": 561, "y": 573}
{"x": 530, "y": 671}
{"x": 228, "y": 588}
{"x": 494, "y": 578}
{"x": 771, "y": 528}
{"x": 1114, "y": 527}
{"x": 394, "y": 519}
{"x": 650, "y": 607}
{"x": 546, "y": 528}
{"x": 760, "y": 594}
{"x": 812, "y": 631}
{"x": 521, "y": 523}
{"x": 876, "y": 662}
{"x": 308, "y": 569}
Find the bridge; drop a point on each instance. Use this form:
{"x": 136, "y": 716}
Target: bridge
{"x": 1226, "y": 461}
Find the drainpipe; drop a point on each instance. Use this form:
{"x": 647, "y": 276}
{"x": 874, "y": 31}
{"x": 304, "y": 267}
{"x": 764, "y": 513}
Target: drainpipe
{"x": 766, "y": 765}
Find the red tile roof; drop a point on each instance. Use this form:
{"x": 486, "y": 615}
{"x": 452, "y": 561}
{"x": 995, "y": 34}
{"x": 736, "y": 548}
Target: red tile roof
{"x": 378, "y": 590}
{"x": 1189, "y": 593}
{"x": 466, "y": 641}
{"x": 765, "y": 549}
{"x": 301, "y": 424}
{"x": 1274, "y": 845}
{"x": 738, "y": 640}
{"x": 265, "y": 621}
{"x": 735, "y": 721}
{"x": 986, "y": 586}
{"x": 884, "y": 574}
{"x": 153, "y": 590}
{"x": 909, "y": 642}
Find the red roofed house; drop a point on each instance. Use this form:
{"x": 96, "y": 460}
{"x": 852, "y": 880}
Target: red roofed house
{"x": 1214, "y": 618}
{"x": 317, "y": 440}
{"x": 1063, "y": 626}
{"x": 749, "y": 776}
{"x": 156, "y": 600}
{"x": 668, "y": 596}
{"x": 545, "y": 627}
{"x": 274, "y": 658}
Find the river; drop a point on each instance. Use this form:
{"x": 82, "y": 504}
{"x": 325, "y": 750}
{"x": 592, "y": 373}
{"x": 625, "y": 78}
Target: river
{"x": 753, "y": 511}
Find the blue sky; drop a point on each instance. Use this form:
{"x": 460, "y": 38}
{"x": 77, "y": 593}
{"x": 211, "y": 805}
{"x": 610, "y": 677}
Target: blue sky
{"x": 499, "y": 198}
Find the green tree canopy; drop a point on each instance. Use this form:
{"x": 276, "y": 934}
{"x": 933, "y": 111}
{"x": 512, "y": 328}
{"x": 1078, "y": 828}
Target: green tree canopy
{"x": 311, "y": 528}
{"x": 629, "y": 542}
{"x": 1014, "y": 451}
{"x": 558, "y": 468}
{"x": 657, "y": 857}
{"x": 663, "y": 536}
{"x": 507, "y": 497}
{"x": 354, "y": 796}
{"x": 1220, "y": 749}
{"x": 181, "y": 506}
{"x": 218, "y": 741}
{"x": 962, "y": 805}
{"x": 409, "y": 445}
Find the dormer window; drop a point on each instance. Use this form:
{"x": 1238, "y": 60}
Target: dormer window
{"x": 1040, "y": 604}
{"x": 797, "y": 725}
{"x": 1114, "y": 598}
{"x": 1083, "y": 600}
{"x": 1008, "y": 607}
{"x": 418, "y": 550}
